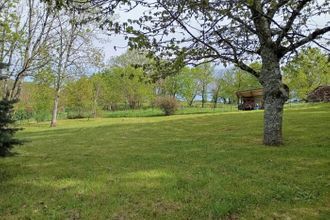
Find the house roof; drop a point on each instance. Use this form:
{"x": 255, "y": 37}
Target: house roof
{"x": 250, "y": 93}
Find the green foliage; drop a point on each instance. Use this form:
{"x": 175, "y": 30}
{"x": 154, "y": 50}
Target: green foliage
{"x": 310, "y": 69}
{"x": 130, "y": 58}
{"x": 9, "y": 23}
{"x": 189, "y": 85}
{"x": 205, "y": 77}
{"x": 167, "y": 104}
{"x": 128, "y": 85}
{"x": 22, "y": 114}
{"x": 42, "y": 102}
{"x": 7, "y": 131}
{"x": 79, "y": 98}
{"x": 42, "y": 95}
{"x": 171, "y": 85}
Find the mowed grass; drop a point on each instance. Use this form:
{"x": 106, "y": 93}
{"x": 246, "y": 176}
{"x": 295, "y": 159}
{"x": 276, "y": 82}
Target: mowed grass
{"x": 205, "y": 166}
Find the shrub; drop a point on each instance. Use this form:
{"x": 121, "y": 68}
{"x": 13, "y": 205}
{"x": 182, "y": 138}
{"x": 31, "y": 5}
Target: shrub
{"x": 22, "y": 114}
{"x": 42, "y": 115}
{"x": 167, "y": 104}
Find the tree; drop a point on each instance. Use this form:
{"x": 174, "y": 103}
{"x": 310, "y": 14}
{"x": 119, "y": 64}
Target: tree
{"x": 308, "y": 70}
{"x": 73, "y": 52}
{"x": 215, "y": 90}
{"x": 25, "y": 28}
{"x": 189, "y": 85}
{"x": 235, "y": 32}
{"x": 127, "y": 81}
{"x": 79, "y": 97}
{"x": 98, "y": 89}
{"x": 205, "y": 75}
{"x": 41, "y": 94}
{"x": 171, "y": 85}
{"x": 7, "y": 141}
{"x": 128, "y": 85}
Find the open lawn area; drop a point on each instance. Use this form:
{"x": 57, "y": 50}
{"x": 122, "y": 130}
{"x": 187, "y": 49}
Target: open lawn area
{"x": 194, "y": 166}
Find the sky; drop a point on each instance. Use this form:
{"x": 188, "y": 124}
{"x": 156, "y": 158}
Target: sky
{"x": 120, "y": 43}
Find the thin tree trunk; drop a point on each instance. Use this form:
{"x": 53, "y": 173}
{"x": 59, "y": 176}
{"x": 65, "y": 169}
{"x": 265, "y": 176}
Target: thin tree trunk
{"x": 215, "y": 103}
{"x": 55, "y": 109}
{"x": 216, "y": 97}
{"x": 203, "y": 96}
{"x": 191, "y": 101}
{"x": 275, "y": 95}
{"x": 95, "y": 108}
{"x": 95, "y": 104}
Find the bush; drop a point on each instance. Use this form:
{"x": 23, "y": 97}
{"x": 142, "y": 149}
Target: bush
{"x": 78, "y": 115}
{"x": 167, "y": 104}
{"x": 22, "y": 114}
{"x": 42, "y": 115}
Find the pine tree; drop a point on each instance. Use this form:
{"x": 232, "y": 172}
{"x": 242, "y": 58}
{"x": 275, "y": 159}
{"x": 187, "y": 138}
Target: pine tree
{"x": 7, "y": 131}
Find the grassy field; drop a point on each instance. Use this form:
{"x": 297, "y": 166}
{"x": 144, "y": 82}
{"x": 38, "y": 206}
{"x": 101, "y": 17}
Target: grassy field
{"x": 193, "y": 166}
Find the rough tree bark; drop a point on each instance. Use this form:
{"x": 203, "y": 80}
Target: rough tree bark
{"x": 275, "y": 95}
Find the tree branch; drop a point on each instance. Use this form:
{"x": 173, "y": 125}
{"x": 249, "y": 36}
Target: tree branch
{"x": 311, "y": 37}
{"x": 294, "y": 15}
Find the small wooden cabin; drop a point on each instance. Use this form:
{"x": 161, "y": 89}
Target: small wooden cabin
{"x": 320, "y": 94}
{"x": 250, "y": 99}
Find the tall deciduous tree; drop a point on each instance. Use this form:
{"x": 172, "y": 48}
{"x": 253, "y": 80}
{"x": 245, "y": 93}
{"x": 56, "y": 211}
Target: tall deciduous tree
{"x": 128, "y": 85}
{"x": 205, "y": 76}
{"x": 73, "y": 52}
{"x": 215, "y": 90}
{"x": 189, "y": 84}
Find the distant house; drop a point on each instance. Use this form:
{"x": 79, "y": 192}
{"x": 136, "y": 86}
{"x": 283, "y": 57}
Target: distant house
{"x": 250, "y": 99}
{"x": 320, "y": 94}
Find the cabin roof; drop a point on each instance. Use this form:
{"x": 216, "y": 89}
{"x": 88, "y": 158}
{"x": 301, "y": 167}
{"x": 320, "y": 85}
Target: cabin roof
{"x": 250, "y": 93}
{"x": 326, "y": 87}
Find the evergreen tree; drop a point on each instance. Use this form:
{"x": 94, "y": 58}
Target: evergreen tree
{"x": 7, "y": 131}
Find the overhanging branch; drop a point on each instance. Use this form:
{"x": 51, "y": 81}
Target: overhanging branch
{"x": 311, "y": 37}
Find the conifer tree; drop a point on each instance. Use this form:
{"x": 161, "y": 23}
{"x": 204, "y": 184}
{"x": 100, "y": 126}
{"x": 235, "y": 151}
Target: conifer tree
{"x": 7, "y": 131}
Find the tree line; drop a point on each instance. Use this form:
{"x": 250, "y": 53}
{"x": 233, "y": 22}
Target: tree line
{"x": 122, "y": 85}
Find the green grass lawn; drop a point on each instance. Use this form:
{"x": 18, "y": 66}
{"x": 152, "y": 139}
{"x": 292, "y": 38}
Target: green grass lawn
{"x": 204, "y": 166}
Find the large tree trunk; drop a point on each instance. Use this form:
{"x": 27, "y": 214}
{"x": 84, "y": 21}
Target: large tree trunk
{"x": 55, "y": 110}
{"x": 275, "y": 95}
